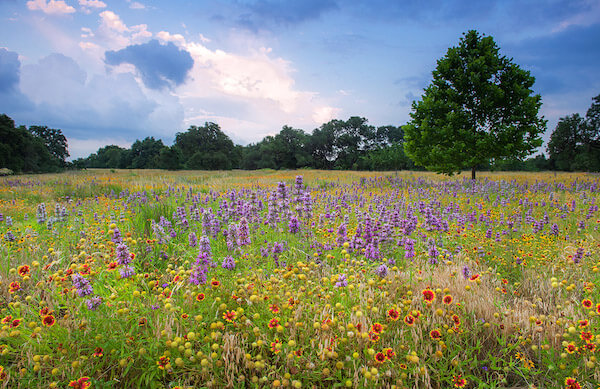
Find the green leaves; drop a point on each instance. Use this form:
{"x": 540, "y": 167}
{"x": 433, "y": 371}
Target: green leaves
{"x": 478, "y": 107}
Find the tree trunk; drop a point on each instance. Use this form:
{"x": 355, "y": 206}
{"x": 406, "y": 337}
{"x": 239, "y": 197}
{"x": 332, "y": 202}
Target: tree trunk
{"x": 473, "y": 173}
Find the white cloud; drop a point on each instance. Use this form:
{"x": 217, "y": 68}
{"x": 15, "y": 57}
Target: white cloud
{"x": 167, "y": 37}
{"x": 92, "y": 3}
{"x": 113, "y": 33}
{"x": 113, "y": 22}
{"x": 250, "y": 95}
{"x": 88, "y": 46}
{"x": 52, "y": 7}
{"x": 136, "y": 5}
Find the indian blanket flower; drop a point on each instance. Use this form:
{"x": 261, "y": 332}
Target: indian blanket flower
{"x": 23, "y": 270}
{"x": 587, "y": 303}
{"x": 274, "y": 322}
{"x": 435, "y": 334}
{"x": 81, "y": 383}
{"x": 409, "y": 320}
{"x": 377, "y": 328}
{"x": 428, "y": 295}
{"x": 447, "y": 299}
{"x": 393, "y": 314}
{"x": 163, "y": 362}
{"x": 14, "y": 286}
{"x": 200, "y": 297}
{"x": 380, "y": 357}
{"x": 98, "y": 352}
{"x": 459, "y": 382}
{"x": 230, "y": 316}
{"x": 571, "y": 383}
{"x": 48, "y": 320}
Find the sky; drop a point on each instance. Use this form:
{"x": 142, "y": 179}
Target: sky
{"x": 110, "y": 72}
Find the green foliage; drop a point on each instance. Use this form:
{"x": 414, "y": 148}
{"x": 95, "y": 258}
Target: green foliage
{"x": 206, "y": 148}
{"x": 55, "y": 142}
{"x": 478, "y": 107}
{"x": 22, "y": 151}
{"x": 575, "y": 142}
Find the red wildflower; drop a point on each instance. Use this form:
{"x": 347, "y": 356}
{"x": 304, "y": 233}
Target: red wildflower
{"x": 409, "y": 319}
{"x": 82, "y": 383}
{"x": 428, "y": 295}
{"x": 7, "y": 319}
{"x": 474, "y": 277}
{"x": 447, "y": 299}
{"x": 456, "y": 320}
{"x": 274, "y": 322}
{"x": 98, "y": 352}
{"x": 112, "y": 266}
{"x": 48, "y": 320}
{"x": 230, "y": 316}
{"x": 393, "y": 314}
{"x": 23, "y": 270}
{"x": 380, "y": 357}
{"x": 163, "y": 362}
{"x": 274, "y": 308}
{"x": 14, "y": 286}
{"x": 587, "y": 303}
{"x": 571, "y": 348}
{"x": 200, "y": 297}
{"x": 435, "y": 334}
{"x": 459, "y": 382}
{"x": 377, "y": 328}
{"x": 587, "y": 336}
{"x": 215, "y": 283}
{"x": 571, "y": 383}
{"x": 389, "y": 353}
{"x": 15, "y": 323}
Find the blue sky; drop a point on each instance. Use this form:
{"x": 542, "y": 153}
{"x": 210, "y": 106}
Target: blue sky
{"x": 110, "y": 72}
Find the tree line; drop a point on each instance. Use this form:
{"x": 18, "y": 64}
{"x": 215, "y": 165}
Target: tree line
{"x": 37, "y": 149}
{"x": 337, "y": 144}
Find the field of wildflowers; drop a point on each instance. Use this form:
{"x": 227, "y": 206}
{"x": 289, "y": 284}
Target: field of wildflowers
{"x": 299, "y": 279}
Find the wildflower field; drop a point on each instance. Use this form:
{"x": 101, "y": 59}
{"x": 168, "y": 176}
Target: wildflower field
{"x": 299, "y": 279}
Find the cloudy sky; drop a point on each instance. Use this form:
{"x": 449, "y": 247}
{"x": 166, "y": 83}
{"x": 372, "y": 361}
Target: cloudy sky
{"x": 110, "y": 72}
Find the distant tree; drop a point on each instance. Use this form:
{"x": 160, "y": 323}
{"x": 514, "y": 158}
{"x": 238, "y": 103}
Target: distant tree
{"x": 479, "y": 107}
{"x": 290, "y": 148}
{"x": 55, "y": 142}
{"x": 170, "y": 158}
{"x": 575, "y": 142}
{"x": 145, "y": 153}
{"x": 206, "y": 148}
{"x": 566, "y": 141}
{"x": 20, "y": 151}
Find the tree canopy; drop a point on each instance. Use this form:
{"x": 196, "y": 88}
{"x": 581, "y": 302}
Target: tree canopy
{"x": 479, "y": 107}
{"x": 575, "y": 142}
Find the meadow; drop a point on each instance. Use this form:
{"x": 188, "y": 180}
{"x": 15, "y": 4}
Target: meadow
{"x": 299, "y": 279}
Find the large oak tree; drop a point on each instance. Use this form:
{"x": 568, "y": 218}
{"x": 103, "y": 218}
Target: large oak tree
{"x": 478, "y": 108}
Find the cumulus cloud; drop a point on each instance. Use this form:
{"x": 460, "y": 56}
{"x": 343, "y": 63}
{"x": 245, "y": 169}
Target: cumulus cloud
{"x": 92, "y": 3}
{"x": 159, "y": 65}
{"x": 50, "y": 7}
{"x": 115, "y": 105}
{"x": 251, "y": 95}
{"x": 88, "y": 5}
{"x": 11, "y": 98}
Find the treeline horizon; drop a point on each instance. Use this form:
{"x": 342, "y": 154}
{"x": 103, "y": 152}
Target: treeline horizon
{"x": 336, "y": 145}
